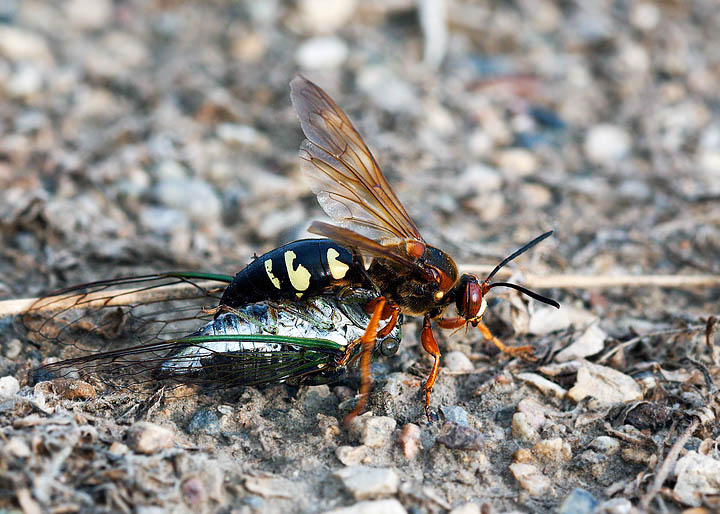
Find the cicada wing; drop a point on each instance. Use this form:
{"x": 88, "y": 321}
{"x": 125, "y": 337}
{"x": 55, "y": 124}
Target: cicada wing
{"x": 213, "y": 362}
{"x": 108, "y": 314}
{"x": 342, "y": 172}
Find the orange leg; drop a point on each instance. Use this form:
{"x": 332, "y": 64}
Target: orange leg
{"x": 451, "y": 322}
{"x": 368, "y": 343}
{"x": 390, "y": 325}
{"x": 430, "y": 345}
{"x": 524, "y": 352}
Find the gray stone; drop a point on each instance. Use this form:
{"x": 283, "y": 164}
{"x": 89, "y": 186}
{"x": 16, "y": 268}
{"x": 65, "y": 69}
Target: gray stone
{"x": 591, "y": 341}
{"x": 365, "y": 482}
{"x": 530, "y": 478}
{"x": 322, "y": 52}
{"x": 697, "y": 475}
{"x": 605, "y": 384}
{"x": 9, "y": 386}
{"x": 606, "y": 143}
{"x": 195, "y": 198}
{"x": 455, "y": 413}
{"x": 457, "y": 362}
{"x": 579, "y": 501}
{"x": 373, "y": 431}
{"x": 388, "y": 506}
{"x": 148, "y": 438}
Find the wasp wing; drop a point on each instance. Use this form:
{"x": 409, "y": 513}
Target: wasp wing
{"x": 342, "y": 172}
{"x": 364, "y": 245}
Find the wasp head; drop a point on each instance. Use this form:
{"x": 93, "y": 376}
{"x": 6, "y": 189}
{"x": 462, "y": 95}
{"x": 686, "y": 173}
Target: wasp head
{"x": 470, "y": 292}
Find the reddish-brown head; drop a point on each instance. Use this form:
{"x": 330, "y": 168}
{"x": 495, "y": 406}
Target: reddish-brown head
{"x": 470, "y": 292}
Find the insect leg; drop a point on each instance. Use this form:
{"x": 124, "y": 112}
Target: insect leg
{"x": 368, "y": 343}
{"x": 524, "y": 352}
{"x": 430, "y": 345}
{"x": 390, "y": 325}
{"x": 451, "y": 322}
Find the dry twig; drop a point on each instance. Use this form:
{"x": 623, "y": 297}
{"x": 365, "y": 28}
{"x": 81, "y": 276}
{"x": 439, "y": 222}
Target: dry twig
{"x": 668, "y": 464}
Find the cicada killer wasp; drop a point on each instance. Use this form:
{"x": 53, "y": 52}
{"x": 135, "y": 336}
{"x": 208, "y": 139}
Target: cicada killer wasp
{"x": 376, "y": 246}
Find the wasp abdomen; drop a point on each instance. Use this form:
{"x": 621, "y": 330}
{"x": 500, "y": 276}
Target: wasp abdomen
{"x": 300, "y": 269}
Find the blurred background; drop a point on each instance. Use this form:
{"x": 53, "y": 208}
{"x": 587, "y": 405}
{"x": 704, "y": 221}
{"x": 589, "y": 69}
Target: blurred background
{"x": 161, "y": 133}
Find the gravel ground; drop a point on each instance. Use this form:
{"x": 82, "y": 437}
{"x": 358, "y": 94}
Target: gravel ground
{"x": 140, "y": 136}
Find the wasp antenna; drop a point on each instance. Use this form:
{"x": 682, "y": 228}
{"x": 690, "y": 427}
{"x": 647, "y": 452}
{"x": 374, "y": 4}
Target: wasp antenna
{"x": 517, "y": 252}
{"x": 531, "y": 294}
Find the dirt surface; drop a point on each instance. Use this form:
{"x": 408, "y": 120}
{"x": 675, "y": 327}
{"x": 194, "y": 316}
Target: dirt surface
{"x": 146, "y": 136}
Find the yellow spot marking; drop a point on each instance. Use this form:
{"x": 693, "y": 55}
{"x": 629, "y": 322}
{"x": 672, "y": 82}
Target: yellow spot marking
{"x": 268, "y": 269}
{"x": 338, "y": 269}
{"x": 439, "y": 295}
{"x": 300, "y": 276}
{"x": 299, "y": 295}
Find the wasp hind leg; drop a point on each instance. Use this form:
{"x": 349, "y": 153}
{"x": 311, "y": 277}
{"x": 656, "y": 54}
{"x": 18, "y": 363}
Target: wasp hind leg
{"x": 368, "y": 343}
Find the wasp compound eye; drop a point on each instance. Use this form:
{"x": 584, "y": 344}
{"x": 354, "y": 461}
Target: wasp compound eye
{"x": 389, "y": 346}
{"x": 469, "y": 298}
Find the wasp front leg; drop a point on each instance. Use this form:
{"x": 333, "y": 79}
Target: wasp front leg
{"x": 524, "y": 352}
{"x": 430, "y": 345}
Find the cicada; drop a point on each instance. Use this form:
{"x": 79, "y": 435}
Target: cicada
{"x": 178, "y": 339}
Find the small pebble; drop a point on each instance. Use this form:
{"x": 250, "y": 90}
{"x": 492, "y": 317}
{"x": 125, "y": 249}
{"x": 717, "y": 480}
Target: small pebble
{"x": 530, "y": 478}
{"x": 534, "y": 412}
{"x": 366, "y": 482}
{"x": 467, "y": 508}
{"x": 616, "y": 506}
{"x": 72, "y": 389}
{"x": 322, "y": 52}
{"x": 118, "y": 449}
{"x": 89, "y": 14}
{"x": 591, "y": 341}
{"x": 148, "y": 438}
{"x": 193, "y": 491}
{"x": 323, "y": 17}
{"x": 545, "y": 320}
{"x": 351, "y": 455}
{"x": 579, "y": 501}
{"x": 196, "y": 198}
{"x": 606, "y": 143}
{"x": 17, "y": 447}
{"x": 605, "y": 444}
{"x": 553, "y": 450}
{"x": 454, "y": 413}
{"x": 23, "y": 45}
{"x": 373, "y": 431}
{"x": 388, "y": 506}
{"x": 517, "y": 162}
{"x": 25, "y": 81}
{"x": 697, "y": 476}
{"x": 409, "y": 440}
{"x": 523, "y": 430}
{"x": 13, "y": 347}
{"x": 645, "y": 15}
{"x": 605, "y": 384}
{"x": 268, "y": 485}
{"x": 457, "y": 362}
{"x": 9, "y": 386}
{"x": 545, "y": 386}
{"x": 204, "y": 421}
{"x": 458, "y": 437}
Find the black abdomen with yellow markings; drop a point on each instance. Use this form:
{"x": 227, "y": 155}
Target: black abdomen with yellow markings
{"x": 300, "y": 269}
